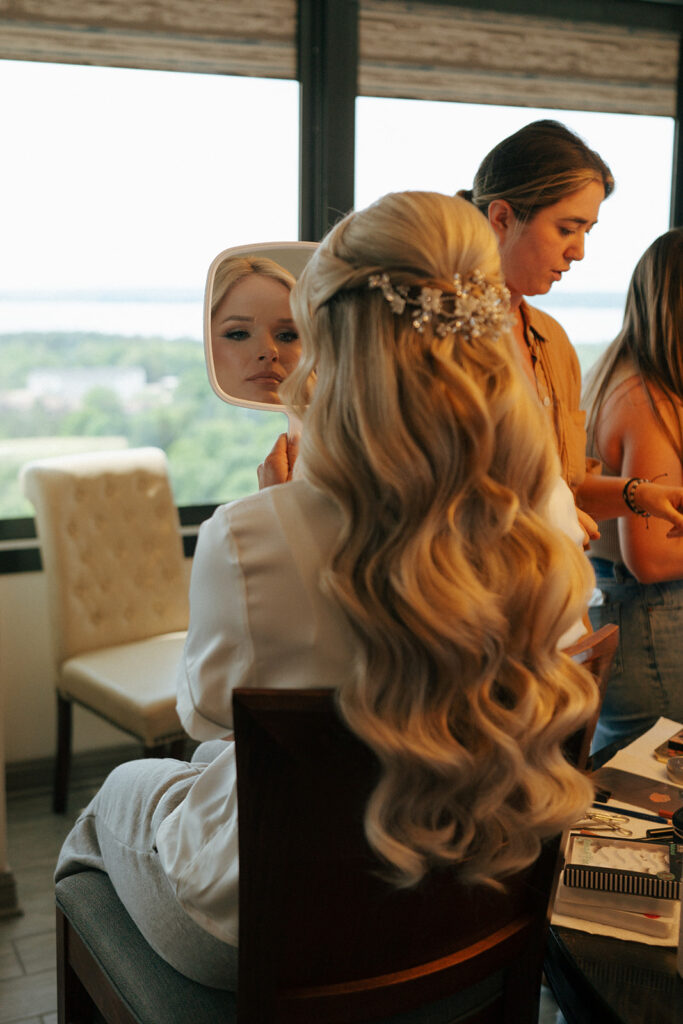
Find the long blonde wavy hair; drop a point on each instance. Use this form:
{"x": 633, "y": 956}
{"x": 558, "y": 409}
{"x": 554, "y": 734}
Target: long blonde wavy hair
{"x": 441, "y": 464}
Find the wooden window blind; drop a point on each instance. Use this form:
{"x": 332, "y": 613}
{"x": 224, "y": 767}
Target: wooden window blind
{"x": 233, "y": 37}
{"x": 443, "y": 52}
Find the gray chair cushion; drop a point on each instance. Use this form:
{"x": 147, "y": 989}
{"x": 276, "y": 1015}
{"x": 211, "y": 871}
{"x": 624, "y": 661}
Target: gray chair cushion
{"x": 153, "y": 991}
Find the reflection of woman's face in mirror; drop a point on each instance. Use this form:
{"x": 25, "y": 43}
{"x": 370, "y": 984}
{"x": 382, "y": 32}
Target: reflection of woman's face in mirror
{"x": 254, "y": 341}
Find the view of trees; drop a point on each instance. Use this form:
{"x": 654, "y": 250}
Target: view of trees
{"x": 62, "y": 392}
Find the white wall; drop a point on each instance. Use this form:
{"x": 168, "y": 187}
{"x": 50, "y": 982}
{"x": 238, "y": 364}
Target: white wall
{"x": 27, "y": 677}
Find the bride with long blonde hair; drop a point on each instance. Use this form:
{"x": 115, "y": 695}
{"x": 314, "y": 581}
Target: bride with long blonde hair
{"x": 410, "y": 565}
{"x": 422, "y": 430}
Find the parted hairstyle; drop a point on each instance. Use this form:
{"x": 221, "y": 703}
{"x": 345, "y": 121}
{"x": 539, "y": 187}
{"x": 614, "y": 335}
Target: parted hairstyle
{"x": 536, "y": 167}
{"x": 235, "y": 268}
{"x": 458, "y": 590}
{"x": 651, "y": 336}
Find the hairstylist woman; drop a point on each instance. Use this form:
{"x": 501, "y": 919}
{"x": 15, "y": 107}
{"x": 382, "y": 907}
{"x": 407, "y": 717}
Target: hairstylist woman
{"x": 542, "y": 189}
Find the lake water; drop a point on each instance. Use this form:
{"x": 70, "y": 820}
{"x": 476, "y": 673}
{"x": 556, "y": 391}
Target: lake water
{"x": 585, "y": 325}
{"x": 594, "y": 324}
{"x": 156, "y": 319}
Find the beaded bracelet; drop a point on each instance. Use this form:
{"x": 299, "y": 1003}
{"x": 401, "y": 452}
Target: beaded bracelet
{"x": 628, "y": 494}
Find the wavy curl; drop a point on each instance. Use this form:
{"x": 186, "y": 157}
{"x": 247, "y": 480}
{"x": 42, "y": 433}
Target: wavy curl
{"x": 441, "y": 464}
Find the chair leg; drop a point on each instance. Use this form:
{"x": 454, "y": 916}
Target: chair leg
{"x": 63, "y": 759}
{"x": 74, "y": 1005}
{"x": 177, "y": 750}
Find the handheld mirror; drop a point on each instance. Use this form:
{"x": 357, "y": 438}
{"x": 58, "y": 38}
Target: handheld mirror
{"x": 250, "y": 341}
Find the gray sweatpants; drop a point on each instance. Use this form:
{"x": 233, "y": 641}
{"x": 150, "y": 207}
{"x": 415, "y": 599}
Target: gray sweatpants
{"x": 115, "y": 834}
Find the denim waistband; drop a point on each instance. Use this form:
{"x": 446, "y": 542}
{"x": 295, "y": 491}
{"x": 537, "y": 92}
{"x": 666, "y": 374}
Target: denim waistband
{"x": 606, "y": 569}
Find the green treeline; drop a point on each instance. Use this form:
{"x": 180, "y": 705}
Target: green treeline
{"x": 213, "y": 448}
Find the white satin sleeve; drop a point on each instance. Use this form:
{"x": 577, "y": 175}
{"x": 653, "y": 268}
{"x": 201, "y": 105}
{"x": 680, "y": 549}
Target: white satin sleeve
{"x": 560, "y": 512}
{"x": 218, "y": 652}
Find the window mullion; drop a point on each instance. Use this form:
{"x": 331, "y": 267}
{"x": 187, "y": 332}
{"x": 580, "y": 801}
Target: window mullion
{"x": 328, "y": 71}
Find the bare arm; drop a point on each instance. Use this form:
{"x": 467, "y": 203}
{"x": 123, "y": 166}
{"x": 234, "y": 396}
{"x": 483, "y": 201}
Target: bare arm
{"x": 602, "y": 497}
{"x": 652, "y": 551}
{"x": 632, "y": 444}
{"x": 632, "y": 441}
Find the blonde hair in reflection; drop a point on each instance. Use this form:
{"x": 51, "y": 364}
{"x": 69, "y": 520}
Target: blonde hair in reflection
{"x": 458, "y": 590}
{"x": 235, "y": 268}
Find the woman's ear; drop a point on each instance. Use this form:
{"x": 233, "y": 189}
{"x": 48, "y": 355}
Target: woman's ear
{"x": 501, "y": 218}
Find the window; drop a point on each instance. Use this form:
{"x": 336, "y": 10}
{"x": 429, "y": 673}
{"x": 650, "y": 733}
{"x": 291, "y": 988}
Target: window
{"x": 438, "y": 146}
{"x": 119, "y": 188}
{"x": 121, "y": 185}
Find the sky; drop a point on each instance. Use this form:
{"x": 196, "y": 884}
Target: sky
{"x": 115, "y": 178}
{"x": 118, "y": 178}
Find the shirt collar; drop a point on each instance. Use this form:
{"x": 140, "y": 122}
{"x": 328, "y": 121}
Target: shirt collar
{"x": 526, "y": 311}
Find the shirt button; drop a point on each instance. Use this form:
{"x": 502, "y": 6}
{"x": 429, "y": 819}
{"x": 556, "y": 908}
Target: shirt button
{"x": 546, "y": 401}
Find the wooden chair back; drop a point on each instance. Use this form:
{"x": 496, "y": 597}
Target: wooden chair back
{"x": 323, "y": 937}
{"x": 595, "y": 651}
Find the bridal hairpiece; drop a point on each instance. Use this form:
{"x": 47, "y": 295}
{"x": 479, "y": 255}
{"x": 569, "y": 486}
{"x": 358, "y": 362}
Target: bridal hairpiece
{"x": 472, "y": 308}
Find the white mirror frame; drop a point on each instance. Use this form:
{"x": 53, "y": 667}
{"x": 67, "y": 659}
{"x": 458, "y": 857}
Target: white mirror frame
{"x": 293, "y": 256}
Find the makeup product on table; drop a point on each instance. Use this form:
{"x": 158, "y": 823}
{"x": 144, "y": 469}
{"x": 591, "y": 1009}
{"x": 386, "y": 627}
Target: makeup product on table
{"x": 659, "y": 798}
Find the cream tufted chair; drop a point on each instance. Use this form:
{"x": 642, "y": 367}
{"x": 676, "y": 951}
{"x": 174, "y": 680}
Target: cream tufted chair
{"x": 117, "y": 591}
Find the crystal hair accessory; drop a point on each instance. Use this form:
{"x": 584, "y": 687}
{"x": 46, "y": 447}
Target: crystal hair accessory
{"x": 472, "y": 308}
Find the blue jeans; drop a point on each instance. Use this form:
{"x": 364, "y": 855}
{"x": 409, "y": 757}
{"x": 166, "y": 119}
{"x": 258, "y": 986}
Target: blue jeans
{"x": 646, "y": 681}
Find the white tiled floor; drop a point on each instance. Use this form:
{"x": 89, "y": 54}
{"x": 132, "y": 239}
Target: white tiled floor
{"x": 28, "y": 993}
